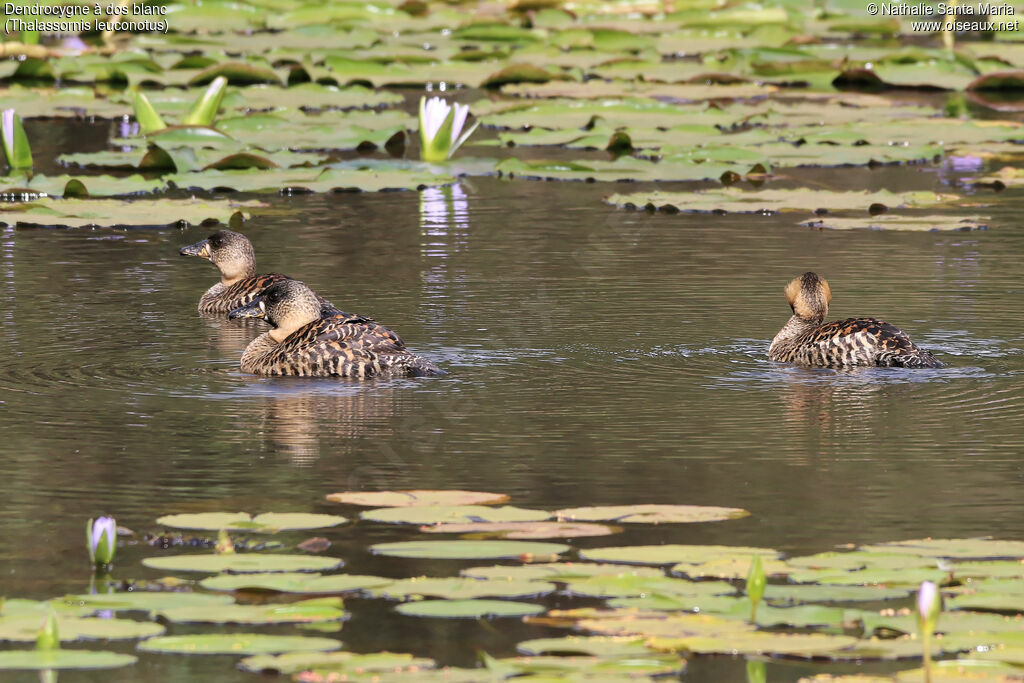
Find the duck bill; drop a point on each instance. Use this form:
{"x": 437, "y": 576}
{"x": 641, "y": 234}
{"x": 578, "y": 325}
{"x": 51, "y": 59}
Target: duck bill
{"x": 200, "y": 249}
{"x": 254, "y": 309}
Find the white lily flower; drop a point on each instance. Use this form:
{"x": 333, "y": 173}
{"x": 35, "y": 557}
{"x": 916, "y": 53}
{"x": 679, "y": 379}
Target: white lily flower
{"x": 441, "y": 127}
{"x": 929, "y": 602}
{"x": 8, "y": 124}
{"x": 102, "y": 534}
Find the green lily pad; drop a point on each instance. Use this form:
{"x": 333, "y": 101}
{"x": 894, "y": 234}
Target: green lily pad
{"x": 468, "y": 609}
{"x": 338, "y": 662}
{"x": 801, "y": 593}
{"x": 242, "y": 563}
{"x": 461, "y": 514}
{"x": 523, "y": 530}
{"x": 596, "y": 646}
{"x": 628, "y": 586}
{"x": 268, "y": 522}
{"x": 468, "y": 550}
{"x": 80, "y": 186}
{"x": 799, "y": 645}
{"x": 77, "y": 213}
{"x": 625, "y": 169}
{"x": 964, "y": 548}
{"x": 63, "y": 659}
{"x": 651, "y": 514}
{"x": 293, "y": 582}
{"x": 145, "y": 601}
{"x": 728, "y": 199}
{"x": 26, "y": 628}
{"x": 556, "y": 571}
{"x": 351, "y": 177}
{"x": 910, "y": 223}
{"x": 291, "y": 613}
{"x": 670, "y": 554}
{"x": 237, "y": 644}
{"x": 860, "y": 559}
{"x": 730, "y": 568}
{"x": 456, "y": 588}
{"x": 416, "y": 497}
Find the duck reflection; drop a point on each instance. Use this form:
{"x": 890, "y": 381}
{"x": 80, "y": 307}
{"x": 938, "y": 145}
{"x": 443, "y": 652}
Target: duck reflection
{"x": 305, "y": 425}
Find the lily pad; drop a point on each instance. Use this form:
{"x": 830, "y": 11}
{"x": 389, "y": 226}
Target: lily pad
{"x": 78, "y": 213}
{"x": 26, "y": 628}
{"x": 596, "y": 646}
{"x": 416, "y": 497}
{"x": 348, "y": 662}
{"x": 357, "y": 177}
{"x": 460, "y": 514}
{"x": 468, "y": 609}
{"x": 799, "y": 645}
{"x": 671, "y": 554}
{"x": 911, "y": 223}
{"x": 629, "y": 586}
{"x": 468, "y": 550}
{"x": 291, "y": 613}
{"x": 63, "y": 659}
{"x": 242, "y": 563}
{"x": 293, "y": 582}
{"x": 237, "y": 644}
{"x": 730, "y": 199}
{"x": 730, "y": 568}
{"x": 456, "y": 588}
{"x": 268, "y": 522}
{"x": 962, "y": 548}
{"x": 556, "y": 571}
{"x": 651, "y": 514}
{"x": 145, "y": 601}
{"x": 523, "y": 530}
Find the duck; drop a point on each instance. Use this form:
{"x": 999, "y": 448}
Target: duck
{"x": 807, "y": 340}
{"x": 239, "y": 284}
{"x": 306, "y": 342}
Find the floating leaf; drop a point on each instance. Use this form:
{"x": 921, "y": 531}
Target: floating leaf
{"x": 236, "y": 644}
{"x": 910, "y": 223}
{"x": 597, "y": 646}
{"x": 670, "y": 554}
{"x": 63, "y": 659}
{"x": 651, "y": 514}
{"x": 522, "y": 530}
{"x": 962, "y": 548}
{"x": 627, "y": 586}
{"x": 468, "y": 550}
{"x": 299, "y": 612}
{"x": 26, "y": 628}
{"x": 468, "y": 609}
{"x": 242, "y": 563}
{"x": 79, "y": 213}
{"x": 145, "y": 601}
{"x": 803, "y": 645}
{"x": 294, "y": 582}
{"x": 353, "y": 177}
{"x": 557, "y": 571}
{"x": 204, "y": 111}
{"x": 416, "y": 497}
{"x": 730, "y": 199}
{"x": 461, "y": 514}
{"x": 337, "y": 662}
{"x": 456, "y": 588}
{"x": 267, "y": 522}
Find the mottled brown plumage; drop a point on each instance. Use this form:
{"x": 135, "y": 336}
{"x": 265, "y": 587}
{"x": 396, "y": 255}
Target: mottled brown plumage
{"x": 807, "y": 340}
{"x": 306, "y": 343}
{"x": 239, "y": 284}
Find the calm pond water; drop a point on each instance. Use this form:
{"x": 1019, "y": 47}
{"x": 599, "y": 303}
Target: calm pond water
{"x": 596, "y": 356}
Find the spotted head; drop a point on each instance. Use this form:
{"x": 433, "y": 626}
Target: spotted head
{"x": 230, "y": 251}
{"x": 809, "y": 296}
{"x": 287, "y": 305}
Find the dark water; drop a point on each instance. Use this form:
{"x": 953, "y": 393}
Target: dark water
{"x": 596, "y": 356}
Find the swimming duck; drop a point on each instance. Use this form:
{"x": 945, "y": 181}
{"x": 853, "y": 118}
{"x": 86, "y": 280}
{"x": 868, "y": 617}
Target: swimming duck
{"x": 239, "y": 284}
{"x": 807, "y": 340}
{"x": 307, "y": 343}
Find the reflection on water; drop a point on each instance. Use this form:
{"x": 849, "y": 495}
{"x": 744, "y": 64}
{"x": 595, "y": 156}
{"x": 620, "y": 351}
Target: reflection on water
{"x": 595, "y": 356}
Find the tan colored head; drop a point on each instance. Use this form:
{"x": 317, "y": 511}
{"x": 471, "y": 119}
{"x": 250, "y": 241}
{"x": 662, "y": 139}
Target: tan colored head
{"x": 809, "y": 296}
{"x": 287, "y": 305}
{"x": 230, "y": 251}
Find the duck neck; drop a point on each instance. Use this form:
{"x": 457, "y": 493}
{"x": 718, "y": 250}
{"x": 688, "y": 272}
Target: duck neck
{"x": 256, "y": 349}
{"x": 794, "y": 328}
{"x": 231, "y": 274}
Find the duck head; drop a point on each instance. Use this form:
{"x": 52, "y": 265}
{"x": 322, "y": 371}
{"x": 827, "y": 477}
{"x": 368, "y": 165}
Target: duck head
{"x": 809, "y": 296}
{"x": 286, "y": 305}
{"x": 230, "y": 251}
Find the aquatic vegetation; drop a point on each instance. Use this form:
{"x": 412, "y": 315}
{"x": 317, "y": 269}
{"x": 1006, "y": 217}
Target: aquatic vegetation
{"x": 270, "y": 522}
{"x": 756, "y": 582}
{"x": 49, "y": 635}
{"x": 929, "y": 607}
{"x": 102, "y": 541}
{"x": 15, "y": 141}
{"x": 441, "y": 127}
